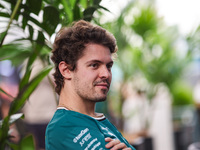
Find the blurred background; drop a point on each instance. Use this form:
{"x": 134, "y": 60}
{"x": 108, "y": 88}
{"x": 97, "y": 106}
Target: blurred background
{"x": 154, "y": 98}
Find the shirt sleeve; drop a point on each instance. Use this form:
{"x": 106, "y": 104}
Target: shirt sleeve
{"x": 75, "y": 138}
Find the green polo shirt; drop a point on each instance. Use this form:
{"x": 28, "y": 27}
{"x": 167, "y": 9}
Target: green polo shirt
{"x": 70, "y": 130}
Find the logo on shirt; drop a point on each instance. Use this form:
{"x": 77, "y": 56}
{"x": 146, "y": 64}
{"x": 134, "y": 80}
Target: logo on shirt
{"x": 85, "y": 139}
{"x": 80, "y": 135}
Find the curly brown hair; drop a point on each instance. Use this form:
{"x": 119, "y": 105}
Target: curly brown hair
{"x": 70, "y": 43}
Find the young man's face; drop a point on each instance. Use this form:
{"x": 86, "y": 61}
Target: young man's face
{"x": 92, "y": 77}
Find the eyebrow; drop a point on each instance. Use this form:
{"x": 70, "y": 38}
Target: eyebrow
{"x": 98, "y": 61}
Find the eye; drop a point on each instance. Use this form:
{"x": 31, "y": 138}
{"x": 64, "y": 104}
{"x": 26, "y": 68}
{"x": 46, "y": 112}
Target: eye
{"x": 109, "y": 66}
{"x": 94, "y": 65}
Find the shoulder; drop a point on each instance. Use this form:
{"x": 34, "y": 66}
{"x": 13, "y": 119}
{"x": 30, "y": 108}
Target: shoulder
{"x": 73, "y": 131}
{"x": 66, "y": 118}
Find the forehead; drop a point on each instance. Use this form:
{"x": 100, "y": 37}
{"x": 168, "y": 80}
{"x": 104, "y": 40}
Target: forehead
{"x": 96, "y": 52}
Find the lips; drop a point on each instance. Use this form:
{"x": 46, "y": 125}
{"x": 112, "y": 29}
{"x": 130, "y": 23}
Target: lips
{"x": 103, "y": 84}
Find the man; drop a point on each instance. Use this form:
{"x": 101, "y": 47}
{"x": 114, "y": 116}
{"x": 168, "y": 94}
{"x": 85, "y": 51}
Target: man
{"x": 83, "y": 60}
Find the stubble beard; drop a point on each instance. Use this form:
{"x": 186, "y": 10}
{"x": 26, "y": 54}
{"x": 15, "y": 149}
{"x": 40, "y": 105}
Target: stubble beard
{"x": 92, "y": 96}
{"x": 89, "y": 93}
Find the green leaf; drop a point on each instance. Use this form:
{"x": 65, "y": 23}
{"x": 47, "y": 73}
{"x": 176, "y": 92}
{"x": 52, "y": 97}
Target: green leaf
{"x": 67, "y": 8}
{"x": 24, "y": 22}
{"x": 71, "y": 3}
{"x": 1, "y": 6}
{"x": 76, "y": 11}
{"x": 104, "y": 8}
{"x": 4, "y": 14}
{"x": 50, "y": 19}
{"x": 33, "y": 20}
{"x": 26, "y": 91}
{"x": 4, "y": 132}
{"x": 30, "y": 28}
{"x": 88, "y": 13}
{"x": 96, "y": 2}
{"x": 84, "y": 3}
{"x": 40, "y": 39}
{"x": 2, "y": 35}
{"x": 13, "y": 146}
{"x": 27, "y": 74}
{"x": 27, "y": 143}
{"x": 17, "y": 53}
{"x": 34, "y": 6}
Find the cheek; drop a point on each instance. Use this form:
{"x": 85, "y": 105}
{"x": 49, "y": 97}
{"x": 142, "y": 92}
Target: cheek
{"x": 88, "y": 76}
{"x": 91, "y": 75}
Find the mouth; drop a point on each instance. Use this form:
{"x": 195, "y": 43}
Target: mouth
{"x": 102, "y": 84}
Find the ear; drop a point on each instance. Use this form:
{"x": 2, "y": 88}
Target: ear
{"x": 64, "y": 70}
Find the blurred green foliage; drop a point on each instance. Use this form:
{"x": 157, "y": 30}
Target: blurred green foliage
{"x": 182, "y": 93}
{"x": 148, "y": 49}
{"x": 36, "y": 21}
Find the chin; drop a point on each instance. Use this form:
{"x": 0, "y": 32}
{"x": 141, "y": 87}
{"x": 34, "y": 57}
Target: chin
{"x": 100, "y": 99}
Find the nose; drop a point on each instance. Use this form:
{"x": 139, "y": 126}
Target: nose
{"x": 105, "y": 72}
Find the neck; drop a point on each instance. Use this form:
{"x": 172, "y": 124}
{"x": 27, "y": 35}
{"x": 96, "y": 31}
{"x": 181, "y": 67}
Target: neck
{"x": 77, "y": 104}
